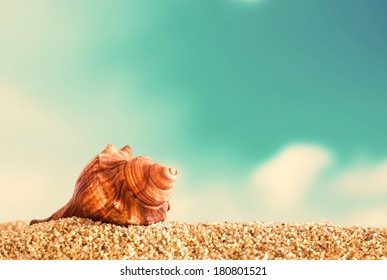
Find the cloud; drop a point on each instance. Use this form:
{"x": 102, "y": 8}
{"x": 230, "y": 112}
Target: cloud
{"x": 281, "y": 192}
{"x": 285, "y": 179}
{"x": 371, "y": 216}
{"x": 214, "y": 202}
{"x": 24, "y": 193}
{"x": 365, "y": 179}
{"x": 280, "y": 186}
{"x": 34, "y": 146}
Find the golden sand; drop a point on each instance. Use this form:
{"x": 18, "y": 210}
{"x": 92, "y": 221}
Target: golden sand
{"x": 75, "y": 238}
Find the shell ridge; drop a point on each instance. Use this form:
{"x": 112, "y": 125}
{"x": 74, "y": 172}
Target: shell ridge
{"x": 138, "y": 194}
{"x": 111, "y": 156}
{"x": 158, "y": 191}
{"x": 126, "y": 152}
{"x": 116, "y": 190}
{"x": 141, "y": 193}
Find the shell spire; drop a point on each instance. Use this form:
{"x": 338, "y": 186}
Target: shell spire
{"x": 117, "y": 188}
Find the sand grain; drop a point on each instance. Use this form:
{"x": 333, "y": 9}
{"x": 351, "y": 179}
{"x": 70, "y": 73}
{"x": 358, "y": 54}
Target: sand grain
{"x": 75, "y": 238}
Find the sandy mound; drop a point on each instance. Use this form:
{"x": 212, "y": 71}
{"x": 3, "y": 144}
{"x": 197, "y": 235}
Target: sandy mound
{"x": 75, "y": 238}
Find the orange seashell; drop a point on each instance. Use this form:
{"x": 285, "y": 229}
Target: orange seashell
{"x": 117, "y": 188}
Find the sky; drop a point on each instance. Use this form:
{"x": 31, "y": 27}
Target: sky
{"x": 272, "y": 110}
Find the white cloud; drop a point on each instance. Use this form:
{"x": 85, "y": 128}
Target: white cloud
{"x": 280, "y": 192}
{"x": 281, "y": 184}
{"x": 24, "y": 194}
{"x": 371, "y": 216}
{"x": 216, "y": 201}
{"x": 365, "y": 179}
{"x": 285, "y": 179}
{"x": 34, "y": 145}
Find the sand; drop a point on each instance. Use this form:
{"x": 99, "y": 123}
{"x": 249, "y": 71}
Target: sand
{"x": 75, "y": 238}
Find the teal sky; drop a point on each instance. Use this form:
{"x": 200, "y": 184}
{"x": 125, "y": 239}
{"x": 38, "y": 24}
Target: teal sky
{"x": 216, "y": 88}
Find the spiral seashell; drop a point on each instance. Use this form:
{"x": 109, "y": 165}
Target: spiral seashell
{"x": 117, "y": 188}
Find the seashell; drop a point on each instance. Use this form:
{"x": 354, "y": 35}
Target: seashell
{"x": 117, "y": 188}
